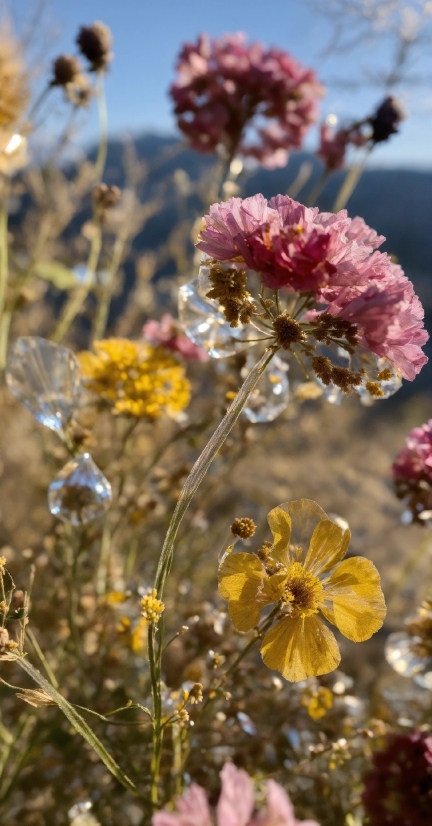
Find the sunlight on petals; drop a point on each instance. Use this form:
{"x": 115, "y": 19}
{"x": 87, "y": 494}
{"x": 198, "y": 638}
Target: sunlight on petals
{"x": 300, "y": 648}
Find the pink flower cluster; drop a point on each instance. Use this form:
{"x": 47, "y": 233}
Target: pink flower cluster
{"x": 334, "y": 144}
{"x": 169, "y": 334}
{"x": 414, "y": 461}
{"x": 226, "y": 88}
{"x": 235, "y": 806}
{"x": 331, "y": 256}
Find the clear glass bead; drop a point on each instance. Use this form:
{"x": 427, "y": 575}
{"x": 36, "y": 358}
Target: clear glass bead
{"x": 373, "y": 366}
{"x": 80, "y": 492}
{"x": 271, "y": 394}
{"x": 46, "y": 378}
{"x": 205, "y": 324}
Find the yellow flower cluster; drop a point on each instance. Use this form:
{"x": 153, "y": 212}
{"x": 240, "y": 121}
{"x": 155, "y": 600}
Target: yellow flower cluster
{"x": 138, "y": 379}
{"x": 304, "y": 574}
{"x": 152, "y": 607}
{"x": 14, "y": 89}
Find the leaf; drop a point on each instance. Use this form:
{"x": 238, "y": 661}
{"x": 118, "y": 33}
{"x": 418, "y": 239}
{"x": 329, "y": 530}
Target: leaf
{"x": 62, "y": 277}
{"x": 35, "y": 697}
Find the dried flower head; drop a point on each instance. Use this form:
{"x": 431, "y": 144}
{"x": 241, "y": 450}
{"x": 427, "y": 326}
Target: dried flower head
{"x": 303, "y": 575}
{"x": 195, "y": 695}
{"x": 66, "y": 69}
{"x": 105, "y": 197}
{"x": 95, "y": 44}
{"x": 136, "y": 378}
{"x": 385, "y": 121}
{"x": 243, "y": 527}
{"x": 14, "y": 88}
{"x": 288, "y": 331}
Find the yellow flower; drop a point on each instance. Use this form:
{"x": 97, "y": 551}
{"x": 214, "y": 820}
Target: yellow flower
{"x": 317, "y": 702}
{"x": 138, "y": 379}
{"x": 302, "y": 572}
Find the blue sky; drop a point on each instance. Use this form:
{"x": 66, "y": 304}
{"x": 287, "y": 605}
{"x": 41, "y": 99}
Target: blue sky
{"x": 147, "y": 37}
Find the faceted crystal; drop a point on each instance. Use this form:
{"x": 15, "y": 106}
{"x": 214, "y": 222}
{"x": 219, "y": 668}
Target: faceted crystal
{"x": 364, "y": 359}
{"x": 80, "y": 492}
{"x": 45, "y": 378}
{"x": 271, "y": 394}
{"x": 204, "y": 322}
{"x": 399, "y": 654}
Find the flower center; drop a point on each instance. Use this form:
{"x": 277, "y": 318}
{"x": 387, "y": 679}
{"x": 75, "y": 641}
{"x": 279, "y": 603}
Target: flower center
{"x": 303, "y": 591}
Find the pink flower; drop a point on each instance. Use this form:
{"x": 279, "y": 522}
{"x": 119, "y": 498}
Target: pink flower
{"x": 330, "y": 256}
{"x": 169, "y": 334}
{"x": 333, "y": 145}
{"x": 235, "y": 806}
{"x": 226, "y": 87}
{"x": 414, "y": 462}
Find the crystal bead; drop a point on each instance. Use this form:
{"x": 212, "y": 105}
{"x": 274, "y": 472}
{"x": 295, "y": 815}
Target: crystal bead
{"x": 205, "y": 324}
{"x": 45, "y": 378}
{"x": 339, "y": 358}
{"x": 399, "y": 654}
{"x": 80, "y": 492}
{"x": 246, "y": 723}
{"x": 271, "y": 394}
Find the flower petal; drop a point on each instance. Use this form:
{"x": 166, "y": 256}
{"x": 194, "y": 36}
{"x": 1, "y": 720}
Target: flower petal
{"x": 193, "y": 810}
{"x": 328, "y": 546}
{"x": 304, "y": 515}
{"x": 241, "y": 579}
{"x": 300, "y": 648}
{"x": 353, "y": 599}
{"x": 236, "y": 801}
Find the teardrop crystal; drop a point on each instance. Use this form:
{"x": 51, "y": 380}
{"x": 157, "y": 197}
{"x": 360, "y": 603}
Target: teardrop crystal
{"x": 271, "y": 394}
{"x": 80, "y": 492}
{"x": 205, "y": 324}
{"x": 46, "y": 378}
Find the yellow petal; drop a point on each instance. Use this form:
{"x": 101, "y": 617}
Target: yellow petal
{"x": 300, "y": 648}
{"x": 304, "y": 515}
{"x": 328, "y": 546}
{"x": 353, "y": 599}
{"x": 241, "y": 579}
{"x": 280, "y": 526}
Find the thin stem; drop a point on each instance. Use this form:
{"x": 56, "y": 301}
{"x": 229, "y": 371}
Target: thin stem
{"x": 102, "y": 311}
{"x": 351, "y": 180}
{"x": 318, "y": 188}
{"x": 157, "y": 714}
{"x": 76, "y": 300}
{"x": 202, "y": 465}
{"x": 41, "y": 655}
{"x": 4, "y": 264}
{"x": 78, "y": 723}
{"x": 103, "y": 129}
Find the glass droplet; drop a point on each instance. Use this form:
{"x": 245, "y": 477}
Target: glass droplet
{"x": 80, "y": 492}
{"x": 246, "y": 723}
{"x": 373, "y": 366}
{"x": 46, "y": 378}
{"x": 205, "y": 324}
{"x": 271, "y": 394}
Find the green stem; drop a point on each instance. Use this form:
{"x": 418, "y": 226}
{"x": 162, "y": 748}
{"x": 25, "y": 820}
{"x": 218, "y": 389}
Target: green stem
{"x": 351, "y": 180}
{"x": 76, "y": 301}
{"x": 103, "y": 129}
{"x": 202, "y": 465}
{"x": 157, "y": 714}
{"x": 318, "y": 188}
{"x": 4, "y": 265}
{"x": 51, "y": 676}
{"x": 78, "y": 723}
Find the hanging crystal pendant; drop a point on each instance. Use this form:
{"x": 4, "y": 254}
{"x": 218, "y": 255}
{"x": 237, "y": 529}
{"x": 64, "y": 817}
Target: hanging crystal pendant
{"x": 80, "y": 492}
{"x": 46, "y": 378}
{"x": 205, "y": 324}
{"x": 271, "y": 394}
{"x": 374, "y": 367}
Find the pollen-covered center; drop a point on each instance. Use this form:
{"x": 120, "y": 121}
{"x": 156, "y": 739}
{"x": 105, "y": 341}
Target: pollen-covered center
{"x": 302, "y": 592}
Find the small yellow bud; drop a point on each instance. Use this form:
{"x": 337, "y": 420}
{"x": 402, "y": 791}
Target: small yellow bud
{"x": 152, "y": 607}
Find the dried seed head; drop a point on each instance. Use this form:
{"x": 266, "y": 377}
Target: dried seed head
{"x": 196, "y": 694}
{"x": 105, "y": 197}
{"x": 287, "y": 330}
{"x": 65, "y": 70}
{"x": 243, "y": 527}
{"x": 95, "y": 43}
{"x": 386, "y": 119}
